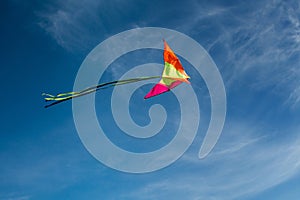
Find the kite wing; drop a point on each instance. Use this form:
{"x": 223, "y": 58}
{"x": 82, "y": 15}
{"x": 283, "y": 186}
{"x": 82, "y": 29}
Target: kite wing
{"x": 172, "y": 76}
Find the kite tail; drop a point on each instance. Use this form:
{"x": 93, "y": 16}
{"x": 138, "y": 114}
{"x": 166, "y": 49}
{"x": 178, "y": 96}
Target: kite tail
{"x": 55, "y": 99}
{"x": 58, "y": 97}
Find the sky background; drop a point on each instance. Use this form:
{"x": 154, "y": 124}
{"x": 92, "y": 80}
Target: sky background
{"x": 255, "y": 45}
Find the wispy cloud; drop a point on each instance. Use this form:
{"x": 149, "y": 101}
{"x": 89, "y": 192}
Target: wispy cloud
{"x": 67, "y": 22}
{"x": 294, "y": 97}
{"x": 81, "y": 25}
{"x": 264, "y": 44}
{"x": 242, "y": 165}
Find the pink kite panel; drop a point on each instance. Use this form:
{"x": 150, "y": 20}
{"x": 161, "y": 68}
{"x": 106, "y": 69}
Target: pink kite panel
{"x": 156, "y": 90}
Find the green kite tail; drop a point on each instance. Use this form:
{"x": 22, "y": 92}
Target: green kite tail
{"x": 55, "y": 99}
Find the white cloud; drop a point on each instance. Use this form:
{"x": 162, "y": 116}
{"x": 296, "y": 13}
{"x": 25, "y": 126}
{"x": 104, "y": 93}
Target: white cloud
{"x": 264, "y": 44}
{"x": 81, "y": 25}
{"x": 294, "y": 98}
{"x": 242, "y": 165}
{"x": 74, "y": 24}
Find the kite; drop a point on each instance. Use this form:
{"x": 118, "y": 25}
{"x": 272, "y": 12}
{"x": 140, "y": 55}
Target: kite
{"x": 173, "y": 75}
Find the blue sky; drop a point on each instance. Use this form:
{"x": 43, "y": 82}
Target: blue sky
{"x": 256, "y": 48}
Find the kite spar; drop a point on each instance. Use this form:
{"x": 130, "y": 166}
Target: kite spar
{"x": 173, "y": 75}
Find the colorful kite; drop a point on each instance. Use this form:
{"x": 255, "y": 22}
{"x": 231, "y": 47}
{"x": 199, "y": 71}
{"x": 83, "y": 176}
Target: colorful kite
{"x": 172, "y": 76}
